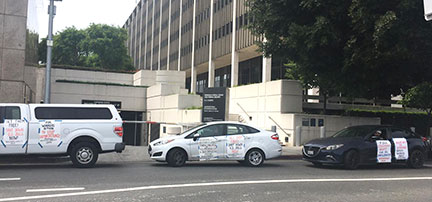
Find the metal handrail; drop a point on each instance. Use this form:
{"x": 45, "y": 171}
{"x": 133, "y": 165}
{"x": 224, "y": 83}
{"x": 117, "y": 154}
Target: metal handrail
{"x": 289, "y": 135}
{"x": 244, "y": 111}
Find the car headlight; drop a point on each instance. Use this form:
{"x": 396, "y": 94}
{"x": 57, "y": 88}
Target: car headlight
{"x": 163, "y": 142}
{"x": 333, "y": 147}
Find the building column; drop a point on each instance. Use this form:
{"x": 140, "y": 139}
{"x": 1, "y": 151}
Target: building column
{"x": 169, "y": 35}
{"x": 145, "y": 35}
{"x": 160, "y": 34}
{"x": 152, "y": 36}
{"x": 193, "y": 70}
{"x": 234, "y": 54}
{"x": 266, "y": 71}
{"x": 180, "y": 36}
{"x": 136, "y": 39}
{"x": 211, "y": 64}
{"x": 140, "y": 36}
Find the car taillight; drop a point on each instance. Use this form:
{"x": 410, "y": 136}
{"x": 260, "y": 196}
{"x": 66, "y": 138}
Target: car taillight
{"x": 118, "y": 131}
{"x": 424, "y": 139}
{"x": 275, "y": 137}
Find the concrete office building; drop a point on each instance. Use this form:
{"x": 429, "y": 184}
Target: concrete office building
{"x": 18, "y": 48}
{"x": 207, "y": 39}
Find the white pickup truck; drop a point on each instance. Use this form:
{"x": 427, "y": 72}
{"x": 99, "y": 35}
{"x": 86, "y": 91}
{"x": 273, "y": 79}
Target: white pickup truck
{"x": 78, "y": 131}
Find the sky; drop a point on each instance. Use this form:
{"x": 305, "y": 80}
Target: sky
{"x": 80, "y": 13}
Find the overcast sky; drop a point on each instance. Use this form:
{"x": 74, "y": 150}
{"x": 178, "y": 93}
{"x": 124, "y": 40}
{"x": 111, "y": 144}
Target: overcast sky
{"x": 80, "y": 13}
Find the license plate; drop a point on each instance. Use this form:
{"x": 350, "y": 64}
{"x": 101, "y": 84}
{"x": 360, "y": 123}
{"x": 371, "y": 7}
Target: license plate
{"x": 310, "y": 152}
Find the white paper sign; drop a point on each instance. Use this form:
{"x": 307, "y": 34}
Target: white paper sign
{"x": 383, "y": 151}
{"x": 207, "y": 149}
{"x": 49, "y": 132}
{"x": 14, "y": 132}
{"x": 401, "y": 148}
{"x": 235, "y": 146}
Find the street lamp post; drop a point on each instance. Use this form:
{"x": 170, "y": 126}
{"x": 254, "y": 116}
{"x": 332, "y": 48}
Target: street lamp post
{"x": 51, "y": 12}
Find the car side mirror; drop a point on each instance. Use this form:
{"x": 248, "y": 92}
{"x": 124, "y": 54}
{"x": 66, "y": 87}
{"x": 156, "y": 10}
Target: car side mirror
{"x": 196, "y": 137}
{"x": 373, "y": 138}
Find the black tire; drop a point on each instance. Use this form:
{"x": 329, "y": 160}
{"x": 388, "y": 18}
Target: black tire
{"x": 416, "y": 159}
{"x": 317, "y": 164}
{"x": 84, "y": 155}
{"x": 351, "y": 160}
{"x": 176, "y": 158}
{"x": 254, "y": 158}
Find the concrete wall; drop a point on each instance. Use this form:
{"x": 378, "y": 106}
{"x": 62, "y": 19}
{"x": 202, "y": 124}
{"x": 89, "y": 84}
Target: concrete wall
{"x": 13, "y": 20}
{"x": 131, "y": 98}
{"x": 332, "y": 124}
{"x": 92, "y": 76}
{"x": 150, "y": 78}
{"x": 169, "y": 103}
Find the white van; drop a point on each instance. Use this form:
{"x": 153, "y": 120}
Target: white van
{"x": 80, "y": 131}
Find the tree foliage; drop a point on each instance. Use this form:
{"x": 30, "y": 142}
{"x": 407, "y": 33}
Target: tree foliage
{"x": 419, "y": 97}
{"x": 97, "y": 46}
{"x": 361, "y": 48}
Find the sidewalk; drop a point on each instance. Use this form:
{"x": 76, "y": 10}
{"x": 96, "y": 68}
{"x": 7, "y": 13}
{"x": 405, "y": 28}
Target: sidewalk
{"x": 139, "y": 153}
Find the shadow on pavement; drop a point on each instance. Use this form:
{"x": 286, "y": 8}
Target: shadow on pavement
{"x": 366, "y": 167}
{"x": 217, "y": 164}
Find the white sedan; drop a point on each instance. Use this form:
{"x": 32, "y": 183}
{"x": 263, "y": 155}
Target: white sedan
{"x": 217, "y": 141}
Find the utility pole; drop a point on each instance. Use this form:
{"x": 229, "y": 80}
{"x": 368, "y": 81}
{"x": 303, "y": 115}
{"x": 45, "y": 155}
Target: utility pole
{"x": 51, "y": 12}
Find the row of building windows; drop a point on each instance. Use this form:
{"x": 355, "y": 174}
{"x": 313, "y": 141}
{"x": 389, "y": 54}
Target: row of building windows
{"x": 186, "y": 50}
{"x": 204, "y": 15}
{"x": 223, "y": 31}
{"x": 187, "y": 27}
{"x": 187, "y": 5}
{"x": 220, "y": 4}
{"x": 202, "y": 42}
{"x": 174, "y": 36}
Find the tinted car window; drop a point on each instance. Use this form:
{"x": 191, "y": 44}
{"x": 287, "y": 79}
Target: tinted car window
{"x": 236, "y": 129}
{"x": 9, "y": 113}
{"x": 400, "y": 133}
{"x": 359, "y": 131}
{"x": 72, "y": 113}
{"x": 252, "y": 130}
{"x": 210, "y": 131}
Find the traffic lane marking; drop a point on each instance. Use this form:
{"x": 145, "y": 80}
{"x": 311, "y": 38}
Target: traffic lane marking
{"x": 55, "y": 189}
{"x": 154, "y": 187}
{"x": 10, "y": 179}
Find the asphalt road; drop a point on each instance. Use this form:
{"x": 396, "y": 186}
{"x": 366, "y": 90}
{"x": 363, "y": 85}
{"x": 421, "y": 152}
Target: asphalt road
{"x": 277, "y": 180}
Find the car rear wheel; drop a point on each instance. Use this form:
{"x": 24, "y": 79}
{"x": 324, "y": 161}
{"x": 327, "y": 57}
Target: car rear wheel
{"x": 254, "y": 158}
{"x": 416, "y": 159}
{"x": 351, "y": 160}
{"x": 84, "y": 155}
{"x": 176, "y": 157}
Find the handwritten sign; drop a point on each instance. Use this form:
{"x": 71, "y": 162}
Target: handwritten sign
{"x": 14, "y": 132}
{"x": 383, "y": 151}
{"x": 207, "y": 149}
{"x": 401, "y": 148}
{"x": 235, "y": 146}
{"x": 49, "y": 132}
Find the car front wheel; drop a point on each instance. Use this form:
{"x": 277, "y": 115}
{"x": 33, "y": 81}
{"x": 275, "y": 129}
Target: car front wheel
{"x": 351, "y": 160}
{"x": 176, "y": 157}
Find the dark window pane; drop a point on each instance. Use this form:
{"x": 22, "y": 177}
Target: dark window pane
{"x": 72, "y": 113}
{"x": 12, "y": 113}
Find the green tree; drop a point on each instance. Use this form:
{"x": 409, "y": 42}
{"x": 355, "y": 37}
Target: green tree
{"x": 420, "y": 97}
{"x": 107, "y": 47}
{"x": 361, "y": 48}
{"x": 97, "y": 46}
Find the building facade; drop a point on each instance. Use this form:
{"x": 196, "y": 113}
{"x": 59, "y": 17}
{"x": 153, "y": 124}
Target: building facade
{"x": 18, "y": 48}
{"x": 208, "y": 39}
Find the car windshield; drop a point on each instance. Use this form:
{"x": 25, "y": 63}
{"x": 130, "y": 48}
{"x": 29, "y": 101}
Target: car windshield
{"x": 357, "y": 131}
{"x": 184, "y": 132}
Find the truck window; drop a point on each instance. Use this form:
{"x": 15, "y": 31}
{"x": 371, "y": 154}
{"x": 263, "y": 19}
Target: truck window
{"x": 9, "y": 113}
{"x": 59, "y": 113}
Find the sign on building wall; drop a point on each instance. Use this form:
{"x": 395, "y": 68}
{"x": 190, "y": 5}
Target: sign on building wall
{"x": 104, "y": 102}
{"x": 428, "y": 9}
{"x": 214, "y": 104}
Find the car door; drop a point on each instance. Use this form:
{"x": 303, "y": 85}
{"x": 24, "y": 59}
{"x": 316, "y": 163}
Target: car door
{"x": 238, "y": 138}
{"x": 370, "y": 147}
{"x": 401, "y": 153}
{"x": 208, "y": 143}
{"x": 14, "y": 127}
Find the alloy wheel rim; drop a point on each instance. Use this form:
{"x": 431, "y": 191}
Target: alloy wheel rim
{"x": 84, "y": 155}
{"x": 179, "y": 158}
{"x": 255, "y": 158}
